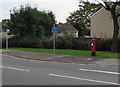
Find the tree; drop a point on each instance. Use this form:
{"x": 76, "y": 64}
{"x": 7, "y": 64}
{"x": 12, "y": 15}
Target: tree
{"x": 76, "y": 20}
{"x": 114, "y": 9}
{"x": 28, "y": 21}
{"x": 80, "y": 19}
{"x": 52, "y": 16}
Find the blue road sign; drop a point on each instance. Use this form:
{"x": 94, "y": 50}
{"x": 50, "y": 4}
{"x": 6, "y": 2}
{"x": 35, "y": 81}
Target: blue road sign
{"x": 54, "y": 29}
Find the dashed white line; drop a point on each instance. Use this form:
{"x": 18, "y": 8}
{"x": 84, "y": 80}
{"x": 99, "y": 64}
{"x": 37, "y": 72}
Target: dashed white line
{"x": 15, "y": 68}
{"x": 99, "y": 71}
{"x": 83, "y": 79}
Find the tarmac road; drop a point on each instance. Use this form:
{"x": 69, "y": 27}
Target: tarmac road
{"x": 17, "y": 71}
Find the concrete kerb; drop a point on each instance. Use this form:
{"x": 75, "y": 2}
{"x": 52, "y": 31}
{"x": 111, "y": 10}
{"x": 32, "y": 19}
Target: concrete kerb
{"x": 38, "y": 60}
{"x": 23, "y": 57}
{"x": 53, "y": 59}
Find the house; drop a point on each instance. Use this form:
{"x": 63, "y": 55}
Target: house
{"x": 0, "y": 34}
{"x": 0, "y": 27}
{"x": 102, "y": 24}
{"x": 3, "y": 29}
{"x": 67, "y": 30}
{"x": 4, "y": 22}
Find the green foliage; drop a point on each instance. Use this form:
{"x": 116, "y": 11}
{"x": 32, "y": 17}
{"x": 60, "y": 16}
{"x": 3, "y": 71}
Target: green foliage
{"x": 28, "y": 42}
{"x": 80, "y": 19}
{"x": 86, "y": 32}
{"x": 105, "y": 45}
{"x": 44, "y": 43}
{"x": 69, "y": 42}
{"x": 28, "y": 21}
{"x": 62, "y": 42}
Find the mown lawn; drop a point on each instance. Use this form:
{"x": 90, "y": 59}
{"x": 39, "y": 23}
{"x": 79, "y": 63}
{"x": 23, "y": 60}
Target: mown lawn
{"x": 71, "y": 52}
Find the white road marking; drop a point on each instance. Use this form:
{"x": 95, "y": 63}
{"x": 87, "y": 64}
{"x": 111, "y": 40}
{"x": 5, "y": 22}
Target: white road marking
{"x": 15, "y": 68}
{"x": 99, "y": 71}
{"x": 83, "y": 79}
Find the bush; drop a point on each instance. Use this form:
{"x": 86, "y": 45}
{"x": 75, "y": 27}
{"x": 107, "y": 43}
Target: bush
{"x": 69, "y": 42}
{"x": 2, "y": 42}
{"x": 44, "y": 43}
{"x": 62, "y": 42}
{"x": 119, "y": 46}
{"x": 81, "y": 44}
{"x": 28, "y": 42}
{"x": 105, "y": 45}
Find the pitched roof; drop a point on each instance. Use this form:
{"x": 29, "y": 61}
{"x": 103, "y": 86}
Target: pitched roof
{"x": 97, "y": 12}
{"x": 66, "y": 28}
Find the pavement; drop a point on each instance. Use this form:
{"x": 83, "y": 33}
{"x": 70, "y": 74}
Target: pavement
{"x": 61, "y": 58}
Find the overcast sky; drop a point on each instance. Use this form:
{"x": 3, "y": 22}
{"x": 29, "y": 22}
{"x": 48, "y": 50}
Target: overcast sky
{"x": 61, "y": 8}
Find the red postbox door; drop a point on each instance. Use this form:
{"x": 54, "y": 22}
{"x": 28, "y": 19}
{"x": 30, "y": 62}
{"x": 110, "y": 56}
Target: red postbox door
{"x": 93, "y": 45}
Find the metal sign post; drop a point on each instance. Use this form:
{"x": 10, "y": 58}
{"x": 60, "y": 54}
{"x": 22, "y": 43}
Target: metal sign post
{"x": 6, "y": 43}
{"x": 54, "y": 42}
{"x": 7, "y": 31}
{"x": 54, "y": 31}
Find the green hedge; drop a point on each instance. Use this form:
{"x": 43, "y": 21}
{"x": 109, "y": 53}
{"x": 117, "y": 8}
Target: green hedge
{"x": 105, "y": 44}
{"x": 62, "y": 42}
{"x": 67, "y": 42}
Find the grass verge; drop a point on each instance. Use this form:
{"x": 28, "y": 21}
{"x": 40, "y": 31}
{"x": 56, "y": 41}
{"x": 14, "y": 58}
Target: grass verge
{"x": 101, "y": 54}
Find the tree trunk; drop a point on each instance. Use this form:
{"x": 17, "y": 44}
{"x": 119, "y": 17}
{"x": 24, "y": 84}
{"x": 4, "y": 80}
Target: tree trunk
{"x": 114, "y": 46}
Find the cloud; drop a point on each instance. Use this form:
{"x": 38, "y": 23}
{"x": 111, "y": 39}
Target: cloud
{"x": 60, "y": 8}
{"x": 13, "y": 1}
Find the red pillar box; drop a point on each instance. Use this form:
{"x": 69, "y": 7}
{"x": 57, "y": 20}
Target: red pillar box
{"x": 93, "y": 47}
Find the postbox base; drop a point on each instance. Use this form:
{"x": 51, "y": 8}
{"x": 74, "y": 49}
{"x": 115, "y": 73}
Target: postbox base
{"x": 93, "y": 53}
